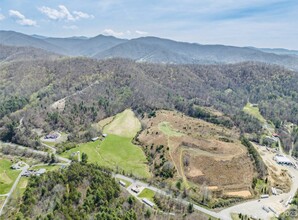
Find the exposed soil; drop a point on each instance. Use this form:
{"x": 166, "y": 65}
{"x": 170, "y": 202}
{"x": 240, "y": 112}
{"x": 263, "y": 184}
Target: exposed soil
{"x": 202, "y": 152}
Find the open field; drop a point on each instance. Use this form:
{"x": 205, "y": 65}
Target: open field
{"x": 148, "y": 194}
{"x": 124, "y": 124}
{"x": 7, "y": 176}
{"x": 202, "y": 153}
{"x": 117, "y": 151}
{"x": 254, "y": 111}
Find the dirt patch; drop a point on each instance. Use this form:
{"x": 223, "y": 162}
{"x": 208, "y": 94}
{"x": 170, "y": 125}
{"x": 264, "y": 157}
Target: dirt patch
{"x": 193, "y": 172}
{"x": 59, "y": 105}
{"x": 243, "y": 193}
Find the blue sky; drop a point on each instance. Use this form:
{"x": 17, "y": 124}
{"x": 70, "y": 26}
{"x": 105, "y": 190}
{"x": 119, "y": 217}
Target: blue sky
{"x": 260, "y": 23}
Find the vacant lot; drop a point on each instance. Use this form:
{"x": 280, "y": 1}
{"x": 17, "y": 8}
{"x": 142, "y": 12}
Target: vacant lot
{"x": 202, "y": 153}
{"x": 7, "y": 176}
{"x": 117, "y": 151}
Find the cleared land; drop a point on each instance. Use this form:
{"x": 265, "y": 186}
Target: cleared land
{"x": 202, "y": 153}
{"x": 254, "y": 111}
{"x": 7, "y": 176}
{"x": 124, "y": 124}
{"x": 117, "y": 151}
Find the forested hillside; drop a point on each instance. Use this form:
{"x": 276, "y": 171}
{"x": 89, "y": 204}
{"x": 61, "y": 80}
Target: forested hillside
{"x": 71, "y": 93}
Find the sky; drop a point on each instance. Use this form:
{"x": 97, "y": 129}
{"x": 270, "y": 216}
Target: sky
{"x": 259, "y": 23}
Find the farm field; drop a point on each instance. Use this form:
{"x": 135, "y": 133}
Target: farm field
{"x": 117, "y": 151}
{"x": 7, "y": 176}
{"x": 202, "y": 153}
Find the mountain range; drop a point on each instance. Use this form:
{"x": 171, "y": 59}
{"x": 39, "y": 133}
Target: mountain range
{"x": 150, "y": 49}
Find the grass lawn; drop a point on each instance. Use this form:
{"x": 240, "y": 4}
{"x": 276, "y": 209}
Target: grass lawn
{"x": 148, "y": 194}
{"x": 166, "y": 128}
{"x": 7, "y": 176}
{"x": 254, "y": 111}
{"x": 125, "y": 181}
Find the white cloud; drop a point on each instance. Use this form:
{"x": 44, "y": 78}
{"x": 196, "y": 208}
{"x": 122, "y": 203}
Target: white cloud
{"x": 111, "y": 32}
{"x": 141, "y": 32}
{"x": 2, "y": 17}
{"x": 79, "y": 14}
{"x": 62, "y": 13}
{"x": 21, "y": 19}
{"x": 71, "y": 27}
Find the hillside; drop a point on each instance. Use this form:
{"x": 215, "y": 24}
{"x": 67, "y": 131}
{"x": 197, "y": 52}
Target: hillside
{"x": 89, "y": 90}
{"x": 12, "y": 53}
{"x": 150, "y": 49}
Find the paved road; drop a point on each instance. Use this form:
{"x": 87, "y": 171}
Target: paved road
{"x": 146, "y": 185}
{"x": 24, "y": 169}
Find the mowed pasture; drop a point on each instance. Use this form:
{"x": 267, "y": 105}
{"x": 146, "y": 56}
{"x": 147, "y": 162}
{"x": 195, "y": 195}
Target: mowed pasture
{"x": 201, "y": 152}
{"x": 117, "y": 151}
{"x": 7, "y": 175}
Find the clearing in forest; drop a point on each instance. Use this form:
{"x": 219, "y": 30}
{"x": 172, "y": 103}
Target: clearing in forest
{"x": 117, "y": 151}
{"x": 254, "y": 111}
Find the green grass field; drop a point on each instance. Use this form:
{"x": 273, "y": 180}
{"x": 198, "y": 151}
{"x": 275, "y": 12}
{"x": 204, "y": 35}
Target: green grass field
{"x": 7, "y": 176}
{"x": 148, "y": 194}
{"x": 254, "y": 111}
{"x": 166, "y": 128}
{"x": 117, "y": 151}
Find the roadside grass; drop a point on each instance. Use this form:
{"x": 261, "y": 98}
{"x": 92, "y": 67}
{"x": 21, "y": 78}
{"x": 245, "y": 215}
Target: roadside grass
{"x": 7, "y": 176}
{"x": 148, "y": 194}
{"x": 22, "y": 185}
{"x": 128, "y": 183}
{"x": 166, "y": 128}
{"x": 254, "y": 111}
{"x": 2, "y": 199}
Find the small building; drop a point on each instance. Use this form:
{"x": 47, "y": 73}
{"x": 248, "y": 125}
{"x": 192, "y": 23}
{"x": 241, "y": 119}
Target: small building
{"x": 17, "y": 166}
{"x": 122, "y": 183}
{"x": 104, "y": 135}
{"x": 147, "y": 202}
{"x": 51, "y": 136}
{"x": 94, "y": 139}
{"x": 282, "y": 160}
{"x": 135, "y": 189}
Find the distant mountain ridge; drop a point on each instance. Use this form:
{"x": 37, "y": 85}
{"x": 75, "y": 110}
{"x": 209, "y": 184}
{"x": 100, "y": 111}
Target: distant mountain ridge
{"x": 151, "y": 49}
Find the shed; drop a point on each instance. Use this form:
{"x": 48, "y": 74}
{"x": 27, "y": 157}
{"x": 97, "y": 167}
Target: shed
{"x": 147, "y": 202}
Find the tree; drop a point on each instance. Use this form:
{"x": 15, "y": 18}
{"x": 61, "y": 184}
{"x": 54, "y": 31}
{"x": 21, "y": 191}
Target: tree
{"x": 190, "y": 208}
{"x": 84, "y": 158}
{"x": 148, "y": 213}
{"x": 53, "y": 158}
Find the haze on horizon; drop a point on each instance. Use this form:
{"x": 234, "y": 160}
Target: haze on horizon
{"x": 258, "y": 23}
